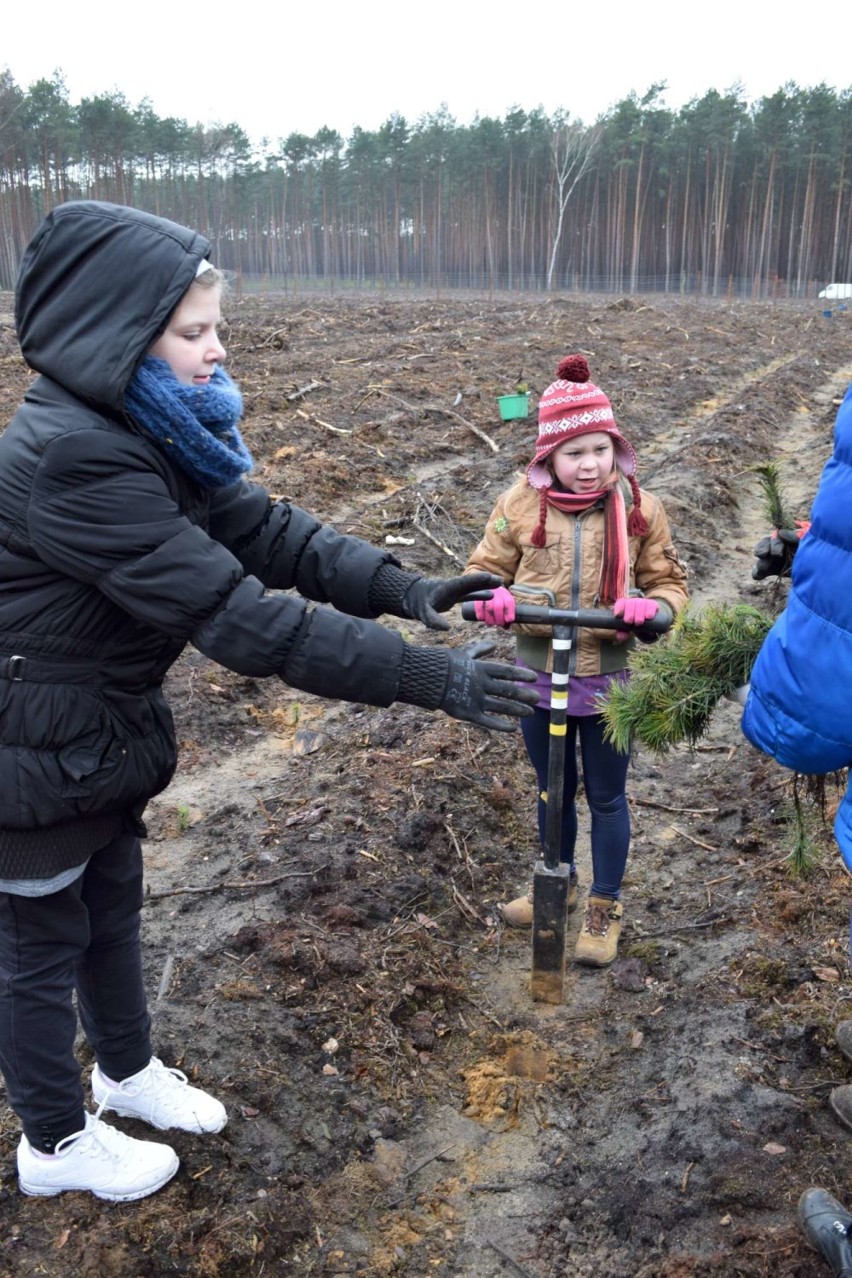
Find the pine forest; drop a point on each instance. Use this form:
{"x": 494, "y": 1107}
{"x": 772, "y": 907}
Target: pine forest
{"x": 721, "y": 197}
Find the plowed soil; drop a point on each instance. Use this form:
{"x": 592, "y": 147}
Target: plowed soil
{"x": 321, "y": 940}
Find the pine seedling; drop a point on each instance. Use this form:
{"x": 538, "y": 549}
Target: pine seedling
{"x": 676, "y": 684}
{"x": 723, "y": 641}
{"x": 660, "y": 705}
{"x": 774, "y": 496}
{"x": 804, "y": 851}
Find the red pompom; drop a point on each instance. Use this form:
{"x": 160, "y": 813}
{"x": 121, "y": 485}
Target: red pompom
{"x": 574, "y": 368}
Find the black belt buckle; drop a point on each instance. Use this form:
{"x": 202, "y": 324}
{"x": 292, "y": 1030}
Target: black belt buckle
{"x": 16, "y": 668}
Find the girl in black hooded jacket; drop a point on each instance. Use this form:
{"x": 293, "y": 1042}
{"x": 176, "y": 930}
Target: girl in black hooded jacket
{"x": 128, "y": 529}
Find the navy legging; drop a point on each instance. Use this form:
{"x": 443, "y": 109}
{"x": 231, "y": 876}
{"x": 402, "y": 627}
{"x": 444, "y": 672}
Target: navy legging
{"x": 604, "y": 779}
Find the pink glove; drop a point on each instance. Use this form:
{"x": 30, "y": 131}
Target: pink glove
{"x": 498, "y": 611}
{"x": 635, "y": 612}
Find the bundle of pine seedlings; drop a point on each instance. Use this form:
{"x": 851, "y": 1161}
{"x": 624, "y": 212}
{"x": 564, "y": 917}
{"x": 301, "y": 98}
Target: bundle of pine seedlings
{"x": 676, "y": 683}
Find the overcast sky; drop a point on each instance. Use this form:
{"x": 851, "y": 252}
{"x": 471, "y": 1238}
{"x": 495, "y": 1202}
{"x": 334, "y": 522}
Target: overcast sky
{"x": 280, "y": 68}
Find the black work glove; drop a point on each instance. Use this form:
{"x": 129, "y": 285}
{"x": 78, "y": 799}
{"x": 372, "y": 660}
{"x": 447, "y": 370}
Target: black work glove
{"x": 480, "y": 691}
{"x": 427, "y": 596}
{"x": 774, "y": 554}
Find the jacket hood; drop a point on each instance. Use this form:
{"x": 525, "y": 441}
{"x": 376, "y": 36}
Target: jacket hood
{"x": 96, "y": 287}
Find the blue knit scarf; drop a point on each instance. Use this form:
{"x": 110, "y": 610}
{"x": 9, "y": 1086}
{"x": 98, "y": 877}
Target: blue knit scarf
{"x": 194, "y": 425}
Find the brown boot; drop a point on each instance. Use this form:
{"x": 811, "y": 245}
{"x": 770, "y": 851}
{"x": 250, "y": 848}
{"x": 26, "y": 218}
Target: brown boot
{"x": 843, "y": 1036}
{"x": 519, "y": 913}
{"x": 597, "y": 944}
{"x": 840, "y": 1101}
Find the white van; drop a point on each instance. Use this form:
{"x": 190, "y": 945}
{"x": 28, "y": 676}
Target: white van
{"x": 833, "y": 292}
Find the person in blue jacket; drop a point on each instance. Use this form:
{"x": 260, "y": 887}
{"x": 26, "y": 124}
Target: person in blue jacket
{"x": 799, "y": 711}
{"x": 128, "y": 529}
{"x": 799, "y": 706}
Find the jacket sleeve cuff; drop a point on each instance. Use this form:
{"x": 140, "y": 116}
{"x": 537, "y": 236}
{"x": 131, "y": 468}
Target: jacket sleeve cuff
{"x": 663, "y": 610}
{"x": 423, "y": 677}
{"x": 388, "y": 589}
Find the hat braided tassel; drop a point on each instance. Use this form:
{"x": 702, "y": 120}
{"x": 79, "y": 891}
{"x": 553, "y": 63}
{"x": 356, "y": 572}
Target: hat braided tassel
{"x": 637, "y": 524}
{"x": 539, "y": 536}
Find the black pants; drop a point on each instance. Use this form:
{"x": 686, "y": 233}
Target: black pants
{"x": 84, "y": 938}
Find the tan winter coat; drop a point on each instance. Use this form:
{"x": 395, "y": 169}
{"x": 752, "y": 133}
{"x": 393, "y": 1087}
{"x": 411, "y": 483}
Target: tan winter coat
{"x": 569, "y": 565}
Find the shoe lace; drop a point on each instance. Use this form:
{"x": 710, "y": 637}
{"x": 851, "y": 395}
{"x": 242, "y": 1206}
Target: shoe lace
{"x": 156, "y": 1083}
{"x": 108, "y": 1141}
{"x": 155, "y": 1077}
{"x": 597, "y": 920}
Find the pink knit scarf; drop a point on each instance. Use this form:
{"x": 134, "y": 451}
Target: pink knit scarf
{"x": 615, "y": 565}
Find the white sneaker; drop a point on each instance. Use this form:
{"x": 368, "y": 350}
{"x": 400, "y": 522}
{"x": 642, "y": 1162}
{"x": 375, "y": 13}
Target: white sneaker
{"x": 99, "y": 1159}
{"x": 161, "y": 1097}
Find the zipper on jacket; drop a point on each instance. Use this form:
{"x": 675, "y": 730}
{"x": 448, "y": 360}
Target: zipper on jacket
{"x": 575, "y": 594}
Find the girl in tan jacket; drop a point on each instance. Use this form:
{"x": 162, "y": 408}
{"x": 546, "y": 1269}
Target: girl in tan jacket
{"x": 576, "y": 531}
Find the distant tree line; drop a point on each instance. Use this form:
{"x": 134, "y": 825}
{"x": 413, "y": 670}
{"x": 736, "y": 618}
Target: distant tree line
{"x": 717, "y": 196}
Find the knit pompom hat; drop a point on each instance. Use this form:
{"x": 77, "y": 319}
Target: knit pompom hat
{"x": 573, "y": 406}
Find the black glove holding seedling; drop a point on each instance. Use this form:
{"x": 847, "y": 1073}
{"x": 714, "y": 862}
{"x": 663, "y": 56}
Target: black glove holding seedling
{"x": 774, "y": 554}
{"x": 404, "y": 594}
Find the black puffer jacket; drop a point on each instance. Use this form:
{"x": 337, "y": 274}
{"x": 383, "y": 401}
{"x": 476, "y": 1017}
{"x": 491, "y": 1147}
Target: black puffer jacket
{"x": 111, "y": 559}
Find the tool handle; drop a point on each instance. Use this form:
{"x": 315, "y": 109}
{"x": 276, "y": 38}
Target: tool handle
{"x": 592, "y": 618}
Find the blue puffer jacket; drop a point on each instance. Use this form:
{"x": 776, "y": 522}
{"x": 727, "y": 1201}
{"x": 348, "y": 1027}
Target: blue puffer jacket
{"x": 799, "y": 709}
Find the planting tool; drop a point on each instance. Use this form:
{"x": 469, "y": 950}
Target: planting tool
{"x": 551, "y": 876}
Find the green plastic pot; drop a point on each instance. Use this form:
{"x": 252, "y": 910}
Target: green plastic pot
{"x": 513, "y": 407}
